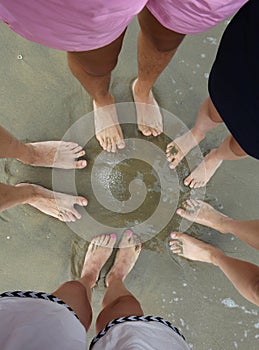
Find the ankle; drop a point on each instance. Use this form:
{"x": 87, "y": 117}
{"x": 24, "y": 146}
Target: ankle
{"x": 224, "y": 225}
{"x": 103, "y": 100}
{"x": 198, "y": 134}
{"x": 142, "y": 89}
{"x": 27, "y": 192}
{"x": 89, "y": 278}
{"x": 113, "y": 277}
{"x": 215, "y": 256}
{"x": 27, "y": 155}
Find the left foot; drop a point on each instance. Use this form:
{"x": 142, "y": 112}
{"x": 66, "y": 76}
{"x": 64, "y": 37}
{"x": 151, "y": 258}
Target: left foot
{"x": 204, "y": 172}
{"x": 192, "y": 248}
{"x": 55, "y": 154}
{"x": 148, "y": 114}
{"x": 98, "y": 252}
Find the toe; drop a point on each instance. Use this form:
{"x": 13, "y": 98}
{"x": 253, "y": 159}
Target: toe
{"x": 109, "y": 145}
{"x": 187, "y": 181}
{"x": 113, "y": 146}
{"x": 76, "y": 214}
{"x": 79, "y": 154}
{"x": 121, "y": 144}
{"x": 80, "y": 164}
{"x": 112, "y": 240}
{"x": 81, "y": 201}
{"x": 175, "y": 235}
{"x": 70, "y": 145}
{"x": 180, "y": 212}
{"x": 77, "y": 149}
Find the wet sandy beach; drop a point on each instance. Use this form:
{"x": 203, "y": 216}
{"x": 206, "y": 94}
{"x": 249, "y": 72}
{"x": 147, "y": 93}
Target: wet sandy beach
{"x": 40, "y": 100}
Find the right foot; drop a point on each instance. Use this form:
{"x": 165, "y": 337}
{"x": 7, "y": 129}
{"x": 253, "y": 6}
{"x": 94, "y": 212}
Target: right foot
{"x": 192, "y": 248}
{"x": 107, "y": 127}
{"x": 202, "y": 213}
{"x": 129, "y": 250}
{"x": 98, "y": 252}
{"x": 178, "y": 149}
{"x": 56, "y": 204}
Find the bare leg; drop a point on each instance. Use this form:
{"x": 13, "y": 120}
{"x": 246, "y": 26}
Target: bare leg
{"x": 156, "y": 47}
{"x": 243, "y": 275}
{"x": 77, "y": 294}
{"x": 228, "y": 150}
{"x": 93, "y": 70}
{"x": 58, "y": 205}
{"x": 56, "y": 154}
{"x": 207, "y": 119}
{"x": 118, "y": 301}
{"x": 204, "y": 214}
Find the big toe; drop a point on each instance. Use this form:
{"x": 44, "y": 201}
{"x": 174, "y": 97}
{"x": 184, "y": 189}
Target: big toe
{"x": 81, "y": 201}
{"x": 80, "y": 164}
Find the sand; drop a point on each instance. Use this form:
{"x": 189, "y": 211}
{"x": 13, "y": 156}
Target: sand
{"x": 40, "y": 100}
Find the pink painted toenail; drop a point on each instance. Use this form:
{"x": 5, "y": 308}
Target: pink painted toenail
{"x": 113, "y": 235}
{"x": 128, "y": 232}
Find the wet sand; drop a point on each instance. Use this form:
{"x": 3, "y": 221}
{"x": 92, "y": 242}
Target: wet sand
{"x": 40, "y": 100}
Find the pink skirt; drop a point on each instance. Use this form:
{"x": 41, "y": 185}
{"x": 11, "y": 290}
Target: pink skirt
{"x": 83, "y": 25}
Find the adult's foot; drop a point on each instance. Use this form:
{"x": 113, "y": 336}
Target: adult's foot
{"x": 149, "y": 117}
{"x": 98, "y": 252}
{"x": 192, "y": 248}
{"x": 200, "y": 176}
{"x": 54, "y": 154}
{"x": 202, "y": 213}
{"x": 56, "y": 204}
{"x": 126, "y": 257}
{"x": 107, "y": 127}
{"x": 180, "y": 147}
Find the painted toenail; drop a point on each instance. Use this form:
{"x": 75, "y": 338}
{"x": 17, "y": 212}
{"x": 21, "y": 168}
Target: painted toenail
{"x": 113, "y": 235}
{"x": 128, "y": 232}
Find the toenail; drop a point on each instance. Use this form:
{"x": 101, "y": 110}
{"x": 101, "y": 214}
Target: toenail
{"x": 113, "y": 235}
{"x": 128, "y": 232}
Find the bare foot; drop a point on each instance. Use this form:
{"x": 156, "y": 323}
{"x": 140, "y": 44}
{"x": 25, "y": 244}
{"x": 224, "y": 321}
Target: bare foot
{"x": 200, "y": 176}
{"x": 98, "y": 252}
{"x": 177, "y": 149}
{"x": 198, "y": 211}
{"x": 129, "y": 250}
{"x": 192, "y": 248}
{"x": 55, "y": 154}
{"x": 56, "y": 204}
{"x": 107, "y": 127}
{"x": 148, "y": 114}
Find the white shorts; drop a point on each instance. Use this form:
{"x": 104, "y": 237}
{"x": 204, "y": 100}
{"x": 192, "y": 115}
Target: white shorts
{"x": 151, "y": 335}
{"x": 29, "y": 324}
